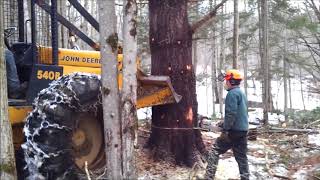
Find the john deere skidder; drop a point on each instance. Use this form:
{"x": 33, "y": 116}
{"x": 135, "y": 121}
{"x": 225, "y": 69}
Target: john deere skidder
{"x": 63, "y": 121}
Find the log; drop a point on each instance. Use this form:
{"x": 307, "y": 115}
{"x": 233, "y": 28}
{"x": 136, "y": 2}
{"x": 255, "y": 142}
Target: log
{"x": 292, "y": 130}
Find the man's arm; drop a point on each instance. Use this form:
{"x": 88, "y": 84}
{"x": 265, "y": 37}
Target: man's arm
{"x": 231, "y": 108}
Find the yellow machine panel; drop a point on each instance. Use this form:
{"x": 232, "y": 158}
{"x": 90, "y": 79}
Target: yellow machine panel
{"x": 70, "y": 57}
{"x": 17, "y": 114}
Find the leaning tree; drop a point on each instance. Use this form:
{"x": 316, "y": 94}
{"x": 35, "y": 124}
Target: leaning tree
{"x": 170, "y": 36}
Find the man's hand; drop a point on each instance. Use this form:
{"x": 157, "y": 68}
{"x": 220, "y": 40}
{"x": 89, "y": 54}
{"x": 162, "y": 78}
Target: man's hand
{"x": 224, "y": 136}
{"x": 220, "y": 124}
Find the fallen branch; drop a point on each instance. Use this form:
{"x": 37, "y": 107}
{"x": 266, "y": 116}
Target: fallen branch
{"x": 291, "y": 130}
{"x": 313, "y": 123}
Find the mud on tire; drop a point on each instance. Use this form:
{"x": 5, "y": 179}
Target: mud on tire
{"x": 49, "y": 127}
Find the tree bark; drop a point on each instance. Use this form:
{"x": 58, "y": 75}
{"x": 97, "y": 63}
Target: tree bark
{"x": 129, "y": 89}
{"x": 7, "y": 160}
{"x": 235, "y": 55}
{"x": 171, "y": 55}
{"x": 265, "y": 60}
{"x": 110, "y": 90}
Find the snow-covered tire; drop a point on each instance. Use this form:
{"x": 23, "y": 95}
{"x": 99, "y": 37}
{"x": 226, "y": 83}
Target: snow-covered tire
{"x": 49, "y": 128}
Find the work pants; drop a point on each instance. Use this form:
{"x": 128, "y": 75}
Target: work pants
{"x": 235, "y": 140}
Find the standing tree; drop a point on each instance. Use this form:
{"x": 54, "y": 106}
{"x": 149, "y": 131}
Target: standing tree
{"x": 110, "y": 90}
{"x": 221, "y": 62}
{"x": 285, "y": 77}
{"x": 235, "y": 54}
{"x": 265, "y": 60}
{"x": 171, "y": 54}
{"x": 214, "y": 64}
{"x": 129, "y": 89}
{"x": 7, "y": 161}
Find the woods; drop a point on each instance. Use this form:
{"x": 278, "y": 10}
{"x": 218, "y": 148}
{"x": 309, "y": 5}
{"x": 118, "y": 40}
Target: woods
{"x": 137, "y": 89}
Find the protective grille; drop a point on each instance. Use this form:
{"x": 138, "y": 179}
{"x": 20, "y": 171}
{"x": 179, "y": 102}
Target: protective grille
{"x": 10, "y": 10}
{"x": 43, "y": 33}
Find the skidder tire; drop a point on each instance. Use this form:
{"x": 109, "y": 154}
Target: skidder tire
{"x": 53, "y": 138}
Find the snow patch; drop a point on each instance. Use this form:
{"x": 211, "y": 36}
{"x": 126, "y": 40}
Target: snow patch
{"x": 314, "y": 139}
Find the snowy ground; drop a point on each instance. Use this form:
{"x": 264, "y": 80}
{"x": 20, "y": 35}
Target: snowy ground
{"x": 271, "y": 156}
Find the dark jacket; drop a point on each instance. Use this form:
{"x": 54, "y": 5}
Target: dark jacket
{"x": 236, "y": 113}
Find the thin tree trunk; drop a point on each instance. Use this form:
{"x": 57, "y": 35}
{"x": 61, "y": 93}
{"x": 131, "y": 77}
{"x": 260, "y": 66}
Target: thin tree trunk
{"x": 63, "y": 33}
{"x": 290, "y": 92}
{"x": 213, "y": 65}
{"x": 285, "y": 75}
{"x": 129, "y": 89}
{"x": 7, "y": 159}
{"x": 265, "y": 60}
{"x": 93, "y": 32}
{"x": 171, "y": 54}
{"x": 221, "y": 63}
{"x": 245, "y": 59}
{"x": 110, "y": 90}
{"x": 245, "y": 69}
{"x": 235, "y": 55}
{"x": 285, "y": 88}
{"x": 84, "y": 25}
{"x": 26, "y": 10}
{"x": 301, "y": 88}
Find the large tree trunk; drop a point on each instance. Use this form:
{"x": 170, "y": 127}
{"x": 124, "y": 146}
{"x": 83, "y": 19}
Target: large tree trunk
{"x": 171, "y": 55}
{"x": 129, "y": 89}
{"x": 7, "y": 161}
{"x": 110, "y": 90}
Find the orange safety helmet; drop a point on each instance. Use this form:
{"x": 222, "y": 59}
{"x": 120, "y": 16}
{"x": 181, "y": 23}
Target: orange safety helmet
{"x": 233, "y": 74}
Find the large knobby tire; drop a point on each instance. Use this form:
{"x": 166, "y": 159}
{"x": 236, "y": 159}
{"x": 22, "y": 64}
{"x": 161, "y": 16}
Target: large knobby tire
{"x": 53, "y": 139}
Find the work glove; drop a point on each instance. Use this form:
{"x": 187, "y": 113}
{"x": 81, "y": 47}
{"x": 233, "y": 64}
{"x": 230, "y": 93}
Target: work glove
{"x": 224, "y": 136}
{"x": 220, "y": 124}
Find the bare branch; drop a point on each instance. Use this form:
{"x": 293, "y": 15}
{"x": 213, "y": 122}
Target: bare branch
{"x": 315, "y": 9}
{"x": 207, "y": 17}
